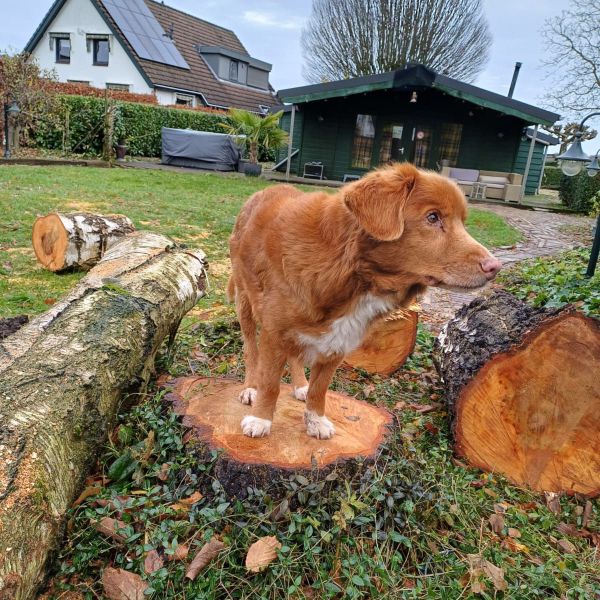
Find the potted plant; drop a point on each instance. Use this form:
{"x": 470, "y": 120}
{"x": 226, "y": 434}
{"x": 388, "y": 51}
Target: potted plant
{"x": 261, "y": 132}
{"x": 121, "y": 148}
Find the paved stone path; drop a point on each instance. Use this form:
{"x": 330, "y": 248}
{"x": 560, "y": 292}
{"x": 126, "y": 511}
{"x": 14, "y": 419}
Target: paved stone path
{"x": 544, "y": 233}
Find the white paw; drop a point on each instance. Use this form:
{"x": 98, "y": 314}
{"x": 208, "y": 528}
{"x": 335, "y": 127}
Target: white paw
{"x": 255, "y": 427}
{"x": 301, "y": 393}
{"x": 319, "y": 427}
{"x": 248, "y": 395}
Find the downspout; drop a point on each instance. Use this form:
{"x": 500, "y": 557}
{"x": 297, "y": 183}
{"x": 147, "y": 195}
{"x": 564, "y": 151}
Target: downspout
{"x": 290, "y": 142}
{"x": 529, "y": 157}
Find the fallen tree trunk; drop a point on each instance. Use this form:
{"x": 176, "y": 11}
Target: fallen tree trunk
{"x": 523, "y": 394}
{"x": 61, "y": 379}
{"x": 62, "y": 241}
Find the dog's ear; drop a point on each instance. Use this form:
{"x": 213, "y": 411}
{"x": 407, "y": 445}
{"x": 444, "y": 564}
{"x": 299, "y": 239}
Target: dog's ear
{"x": 377, "y": 200}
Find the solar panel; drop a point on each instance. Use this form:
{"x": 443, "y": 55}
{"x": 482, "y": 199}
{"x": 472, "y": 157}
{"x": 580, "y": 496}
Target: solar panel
{"x": 144, "y": 32}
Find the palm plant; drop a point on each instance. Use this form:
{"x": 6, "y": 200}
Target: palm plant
{"x": 260, "y": 131}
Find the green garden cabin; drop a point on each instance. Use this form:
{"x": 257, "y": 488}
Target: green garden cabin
{"x": 412, "y": 114}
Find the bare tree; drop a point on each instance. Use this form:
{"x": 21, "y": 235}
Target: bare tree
{"x": 573, "y": 60}
{"x": 565, "y": 132}
{"x": 349, "y": 38}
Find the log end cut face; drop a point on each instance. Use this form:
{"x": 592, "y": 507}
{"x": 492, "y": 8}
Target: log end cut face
{"x": 211, "y": 407}
{"x": 533, "y": 413}
{"x": 50, "y": 241}
{"x": 387, "y": 345}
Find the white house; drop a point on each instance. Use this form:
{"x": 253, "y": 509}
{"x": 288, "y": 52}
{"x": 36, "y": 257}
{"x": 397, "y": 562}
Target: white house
{"x": 144, "y": 46}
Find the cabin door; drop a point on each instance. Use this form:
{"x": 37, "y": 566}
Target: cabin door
{"x": 393, "y": 144}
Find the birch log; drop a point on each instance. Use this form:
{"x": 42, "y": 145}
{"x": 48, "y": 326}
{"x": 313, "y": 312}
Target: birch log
{"x": 523, "y": 394}
{"x": 61, "y": 378}
{"x": 62, "y": 241}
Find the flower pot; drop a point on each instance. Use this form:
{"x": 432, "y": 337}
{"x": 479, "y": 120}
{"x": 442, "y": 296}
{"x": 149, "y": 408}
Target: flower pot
{"x": 121, "y": 151}
{"x": 252, "y": 170}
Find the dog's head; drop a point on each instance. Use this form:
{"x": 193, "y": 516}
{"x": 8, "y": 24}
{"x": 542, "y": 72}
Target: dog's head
{"x": 418, "y": 218}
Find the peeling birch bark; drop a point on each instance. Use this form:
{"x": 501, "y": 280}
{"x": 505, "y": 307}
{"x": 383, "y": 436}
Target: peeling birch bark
{"x": 522, "y": 391}
{"x": 62, "y": 241}
{"x": 61, "y": 379}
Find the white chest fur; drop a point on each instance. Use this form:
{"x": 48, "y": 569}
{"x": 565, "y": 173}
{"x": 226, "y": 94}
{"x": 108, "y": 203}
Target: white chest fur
{"x": 345, "y": 333}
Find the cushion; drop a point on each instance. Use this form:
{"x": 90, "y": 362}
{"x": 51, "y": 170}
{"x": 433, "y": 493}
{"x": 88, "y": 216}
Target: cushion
{"x": 494, "y": 185}
{"x": 464, "y": 175}
{"x": 465, "y": 182}
{"x": 491, "y": 179}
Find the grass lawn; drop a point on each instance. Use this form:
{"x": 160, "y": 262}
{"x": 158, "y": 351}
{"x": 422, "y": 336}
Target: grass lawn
{"x": 411, "y": 526}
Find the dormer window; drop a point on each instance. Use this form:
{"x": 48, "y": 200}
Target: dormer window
{"x": 234, "y": 69}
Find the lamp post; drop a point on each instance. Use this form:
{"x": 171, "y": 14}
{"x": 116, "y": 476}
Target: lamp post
{"x": 572, "y": 161}
{"x": 10, "y": 108}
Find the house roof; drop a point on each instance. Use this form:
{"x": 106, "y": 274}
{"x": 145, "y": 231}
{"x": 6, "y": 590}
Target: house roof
{"x": 419, "y": 76}
{"x": 543, "y": 138}
{"x": 189, "y": 33}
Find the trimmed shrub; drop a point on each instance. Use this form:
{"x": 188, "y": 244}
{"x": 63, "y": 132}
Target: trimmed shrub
{"x": 81, "y": 89}
{"x": 551, "y": 178}
{"x": 577, "y": 192}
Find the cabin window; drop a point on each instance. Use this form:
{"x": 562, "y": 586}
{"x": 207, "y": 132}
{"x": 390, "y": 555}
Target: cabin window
{"x": 234, "y": 68}
{"x": 450, "y": 136}
{"x": 101, "y": 51}
{"x": 422, "y": 146}
{"x": 63, "y": 50}
{"x": 364, "y": 134}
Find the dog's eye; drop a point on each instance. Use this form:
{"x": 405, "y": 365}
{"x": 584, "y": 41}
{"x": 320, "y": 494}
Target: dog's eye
{"x": 433, "y": 217}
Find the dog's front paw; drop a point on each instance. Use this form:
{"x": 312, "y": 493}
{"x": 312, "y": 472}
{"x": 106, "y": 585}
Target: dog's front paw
{"x": 319, "y": 427}
{"x": 248, "y": 395}
{"x": 255, "y": 426}
{"x": 301, "y": 393}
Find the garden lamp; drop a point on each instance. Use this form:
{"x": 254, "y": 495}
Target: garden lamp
{"x": 594, "y": 166}
{"x": 11, "y": 108}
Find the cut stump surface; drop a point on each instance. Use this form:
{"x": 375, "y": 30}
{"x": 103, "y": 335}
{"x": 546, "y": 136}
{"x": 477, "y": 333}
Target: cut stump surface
{"x": 212, "y": 409}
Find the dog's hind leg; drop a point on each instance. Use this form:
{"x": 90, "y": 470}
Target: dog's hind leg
{"x": 299, "y": 381}
{"x": 271, "y": 363}
{"x": 248, "y": 327}
{"x": 317, "y": 424}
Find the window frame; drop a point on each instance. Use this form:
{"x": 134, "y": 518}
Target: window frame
{"x": 182, "y": 99}
{"x": 118, "y": 87}
{"x": 233, "y": 62}
{"x": 367, "y": 143}
{"x": 57, "y": 46}
{"x": 95, "y": 49}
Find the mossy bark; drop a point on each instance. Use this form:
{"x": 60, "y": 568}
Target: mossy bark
{"x": 61, "y": 379}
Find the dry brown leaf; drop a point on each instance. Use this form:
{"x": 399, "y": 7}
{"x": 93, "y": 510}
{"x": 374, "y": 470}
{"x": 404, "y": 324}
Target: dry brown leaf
{"x": 568, "y": 529}
{"x": 262, "y": 553}
{"x": 514, "y": 546}
{"x": 496, "y": 522}
{"x": 496, "y": 574}
{"x": 566, "y": 546}
{"x": 181, "y": 553}
{"x": 119, "y": 584}
{"x": 478, "y": 566}
{"x": 207, "y": 553}
{"x": 153, "y": 562}
{"x": 163, "y": 474}
{"x": 110, "y": 528}
{"x": 148, "y": 449}
{"x": 514, "y": 533}
{"x": 400, "y": 405}
{"x": 553, "y": 502}
{"x": 195, "y": 497}
{"x": 587, "y": 513}
{"x": 368, "y": 390}
{"x": 423, "y": 409}
{"x": 501, "y": 507}
{"x": 89, "y": 491}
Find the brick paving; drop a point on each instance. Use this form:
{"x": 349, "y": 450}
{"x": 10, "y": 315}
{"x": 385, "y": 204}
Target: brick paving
{"x": 544, "y": 233}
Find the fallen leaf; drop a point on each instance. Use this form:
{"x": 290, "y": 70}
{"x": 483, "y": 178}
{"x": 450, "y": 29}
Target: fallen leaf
{"x": 207, "y": 553}
{"x": 566, "y": 546}
{"x": 50, "y": 301}
{"x": 478, "y": 566}
{"x": 153, "y": 562}
{"x": 148, "y": 449}
{"x": 496, "y": 522}
{"x": 514, "y": 546}
{"x": 491, "y": 493}
{"x": 514, "y": 533}
{"x": 162, "y": 379}
{"x": 163, "y": 474}
{"x": 431, "y": 428}
{"x": 400, "y": 405}
{"x": 262, "y": 553}
{"x": 424, "y": 408}
{"x": 119, "y": 584}
{"x": 89, "y": 491}
{"x": 195, "y": 497}
{"x": 587, "y": 513}
{"x": 553, "y": 502}
{"x": 280, "y": 512}
{"x": 408, "y": 584}
{"x": 568, "y": 529}
{"x": 110, "y": 528}
{"x": 501, "y": 507}
{"x": 199, "y": 355}
{"x": 368, "y": 390}
{"x": 181, "y": 553}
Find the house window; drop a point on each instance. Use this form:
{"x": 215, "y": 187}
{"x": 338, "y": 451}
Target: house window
{"x": 184, "y": 100}
{"x": 118, "y": 87}
{"x": 101, "y": 51}
{"x": 63, "y": 50}
{"x": 450, "y": 135}
{"x": 78, "y": 82}
{"x": 234, "y": 67}
{"x": 364, "y": 134}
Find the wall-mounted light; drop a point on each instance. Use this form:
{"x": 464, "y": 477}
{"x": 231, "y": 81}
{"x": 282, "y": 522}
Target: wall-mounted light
{"x": 414, "y": 98}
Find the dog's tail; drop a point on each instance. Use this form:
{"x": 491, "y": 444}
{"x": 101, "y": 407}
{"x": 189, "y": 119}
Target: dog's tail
{"x": 230, "y": 293}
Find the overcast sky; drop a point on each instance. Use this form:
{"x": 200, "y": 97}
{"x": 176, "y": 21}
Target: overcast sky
{"x": 270, "y": 30}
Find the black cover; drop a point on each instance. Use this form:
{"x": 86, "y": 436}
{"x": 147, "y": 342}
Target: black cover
{"x": 199, "y": 149}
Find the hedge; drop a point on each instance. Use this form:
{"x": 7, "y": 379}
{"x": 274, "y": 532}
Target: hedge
{"x": 139, "y": 125}
{"x": 577, "y": 192}
{"x": 551, "y": 178}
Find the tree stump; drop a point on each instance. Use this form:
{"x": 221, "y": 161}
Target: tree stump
{"x": 80, "y": 240}
{"x": 523, "y": 393}
{"x": 211, "y": 408}
{"x": 61, "y": 379}
{"x": 387, "y": 344}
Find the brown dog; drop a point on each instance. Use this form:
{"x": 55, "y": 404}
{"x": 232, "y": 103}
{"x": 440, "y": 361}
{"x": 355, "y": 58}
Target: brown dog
{"x": 313, "y": 271}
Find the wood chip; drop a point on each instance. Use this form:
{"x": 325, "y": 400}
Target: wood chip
{"x": 206, "y": 555}
{"x": 262, "y": 553}
{"x": 153, "y": 562}
{"x": 110, "y": 528}
{"x": 119, "y": 584}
